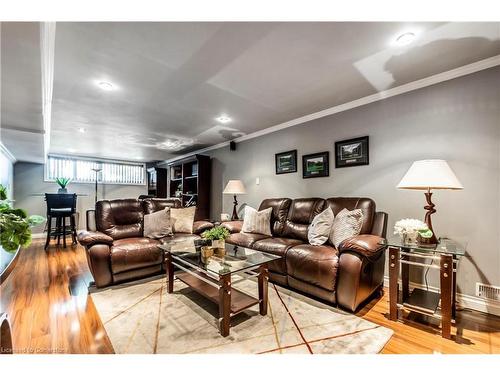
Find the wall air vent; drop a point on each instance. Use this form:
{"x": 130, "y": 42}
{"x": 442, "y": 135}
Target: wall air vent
{"x": 488, "y": 291}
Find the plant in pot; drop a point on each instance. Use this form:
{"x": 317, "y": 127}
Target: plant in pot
{"x": 62, "y": 182}
{"x": 218, "y": 236}
{"x": 15, "y": 224}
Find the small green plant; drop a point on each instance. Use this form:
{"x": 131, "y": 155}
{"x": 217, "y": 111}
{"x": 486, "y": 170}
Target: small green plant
{"x": 216, "y": 233}
{"x": 425, "y": 233}
{"x": 63, "y": 182}
{"x": 15, "y": 224}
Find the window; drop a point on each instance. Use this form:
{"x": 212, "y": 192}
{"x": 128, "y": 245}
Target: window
{"x": 82, "y": 170}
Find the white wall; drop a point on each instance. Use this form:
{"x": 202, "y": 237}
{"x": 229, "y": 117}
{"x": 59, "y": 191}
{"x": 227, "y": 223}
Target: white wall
{"x": 29, "y": 179}
{"x": 458, "y": 121}
{"x": 6, "y": 172}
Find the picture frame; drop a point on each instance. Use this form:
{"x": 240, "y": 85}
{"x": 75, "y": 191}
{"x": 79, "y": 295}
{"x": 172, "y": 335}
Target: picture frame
{"x": 316, "y": 165}
{"x": 352, "y": 152}
{"x": 286, "y": 162}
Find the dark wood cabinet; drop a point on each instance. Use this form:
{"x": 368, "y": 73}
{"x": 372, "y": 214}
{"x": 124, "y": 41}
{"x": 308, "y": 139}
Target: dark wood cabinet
{"x": 189, "y": 179}
{"x": 157, "y": 182}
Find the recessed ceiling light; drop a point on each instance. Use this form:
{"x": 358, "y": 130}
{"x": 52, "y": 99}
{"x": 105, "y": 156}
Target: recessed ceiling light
{"x": 106, "y": 86}
{"x": 81, "y": 130}
{"x": 405, "y": 39}
{"x": 223, "y": 119}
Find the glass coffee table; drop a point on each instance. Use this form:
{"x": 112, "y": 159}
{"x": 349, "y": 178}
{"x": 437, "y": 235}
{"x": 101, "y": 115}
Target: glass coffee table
{"x": 213, "y": 276}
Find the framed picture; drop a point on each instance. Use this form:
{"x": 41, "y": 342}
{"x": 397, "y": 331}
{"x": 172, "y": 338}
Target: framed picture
{"x": 351, "y": 152}
{"x": 315, "y": 165}
{"x": 286, "y": 162}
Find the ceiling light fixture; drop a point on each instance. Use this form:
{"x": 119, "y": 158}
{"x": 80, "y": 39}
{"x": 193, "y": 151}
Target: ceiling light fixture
{"x": 223, "y": 119}
{"x": 81, "y": 130}
{"x": 106, "y": 86}
{"x": 405, "y": 39}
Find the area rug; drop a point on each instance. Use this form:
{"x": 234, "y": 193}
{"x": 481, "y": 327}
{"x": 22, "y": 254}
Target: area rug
{"x": 141, "y": 317}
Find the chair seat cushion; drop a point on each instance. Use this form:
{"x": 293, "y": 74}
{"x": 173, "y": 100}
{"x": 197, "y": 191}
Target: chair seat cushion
{"x": 136, "y": 252}
{"x": 315, "y": 265}
{"x": 245, "y": 239}
{"x": 276, "y": 246}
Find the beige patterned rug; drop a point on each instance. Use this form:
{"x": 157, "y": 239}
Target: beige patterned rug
{"x": 140, "y": 317}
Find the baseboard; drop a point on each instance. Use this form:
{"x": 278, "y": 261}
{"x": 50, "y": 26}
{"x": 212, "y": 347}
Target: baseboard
{"x": 464, "y": 301}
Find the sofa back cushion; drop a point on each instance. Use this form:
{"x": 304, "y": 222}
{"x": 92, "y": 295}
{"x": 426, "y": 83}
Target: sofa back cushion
{"x": 279, "y": 214}
{"x": 151, "y": 205}
{"x": 366, "y": 205}
{"x": 120, "y": 218}
{"x": 301, "y": 213}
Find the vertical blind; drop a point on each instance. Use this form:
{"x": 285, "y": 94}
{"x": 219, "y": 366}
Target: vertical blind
{"x": 80, "y": 170}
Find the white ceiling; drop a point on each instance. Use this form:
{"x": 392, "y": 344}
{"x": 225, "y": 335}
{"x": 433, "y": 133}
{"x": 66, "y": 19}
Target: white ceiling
{"x": 173, "y": 79}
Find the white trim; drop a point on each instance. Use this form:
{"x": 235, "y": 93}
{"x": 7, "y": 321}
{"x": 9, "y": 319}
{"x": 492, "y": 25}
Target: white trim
{"x": 47, "y": 51}
{"x": 463, "y": 300}
{"x": 7, "y": 153}
{"x": 415, "y": 85}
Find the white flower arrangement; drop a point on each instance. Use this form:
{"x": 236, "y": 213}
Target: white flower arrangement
{"x": 408, "y": 229}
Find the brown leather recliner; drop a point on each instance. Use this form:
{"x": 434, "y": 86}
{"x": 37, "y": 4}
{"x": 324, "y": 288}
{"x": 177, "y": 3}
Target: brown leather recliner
{"x": 346, "y": 276}
{"x": 116, "y": 248}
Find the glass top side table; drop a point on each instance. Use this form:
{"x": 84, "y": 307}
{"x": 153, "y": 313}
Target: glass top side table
{"x": 444, "y": 257}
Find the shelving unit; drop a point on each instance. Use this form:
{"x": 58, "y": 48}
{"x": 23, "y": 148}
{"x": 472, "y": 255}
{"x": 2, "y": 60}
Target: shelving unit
{"x": 189, "y": 179}
{"x": 157, "y": 182}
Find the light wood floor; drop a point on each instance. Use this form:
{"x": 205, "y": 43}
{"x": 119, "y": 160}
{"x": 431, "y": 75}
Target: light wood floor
{"x": 51, "y": 312}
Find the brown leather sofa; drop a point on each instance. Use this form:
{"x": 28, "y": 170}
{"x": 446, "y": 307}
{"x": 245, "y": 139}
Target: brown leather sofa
{"x": 116, "y": 249}
{"x": 346, "y": 276}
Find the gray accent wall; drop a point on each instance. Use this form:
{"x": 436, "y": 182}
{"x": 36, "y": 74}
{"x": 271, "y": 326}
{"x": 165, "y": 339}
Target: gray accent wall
{"x": 29, "y": 180}
{"x": 457, "y": 120}
{"x": 6, "y": 173}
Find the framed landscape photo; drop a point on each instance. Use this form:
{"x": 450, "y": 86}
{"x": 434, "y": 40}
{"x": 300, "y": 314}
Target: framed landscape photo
{"x": 286, "y": 162}
{"x": 351, "y": 152}
{"x": 315, "y": 165}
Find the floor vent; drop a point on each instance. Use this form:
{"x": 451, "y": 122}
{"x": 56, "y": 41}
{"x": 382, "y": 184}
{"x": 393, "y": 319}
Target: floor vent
{"x": 488, "y": 291}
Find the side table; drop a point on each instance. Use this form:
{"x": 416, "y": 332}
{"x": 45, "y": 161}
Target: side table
{"x": 443, "y": 257}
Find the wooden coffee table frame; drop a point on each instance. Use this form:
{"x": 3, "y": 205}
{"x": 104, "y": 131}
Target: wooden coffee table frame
{"x": 219, "y": 288}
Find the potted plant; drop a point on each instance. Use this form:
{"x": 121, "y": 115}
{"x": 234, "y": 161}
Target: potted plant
{"x": 62, "y": 182}
{"x": 218, "y": 236}
{"x": 15, "y": 224}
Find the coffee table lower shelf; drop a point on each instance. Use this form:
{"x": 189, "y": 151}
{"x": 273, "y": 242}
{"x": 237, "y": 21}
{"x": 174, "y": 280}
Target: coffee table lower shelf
{"x": 239, "y": 300}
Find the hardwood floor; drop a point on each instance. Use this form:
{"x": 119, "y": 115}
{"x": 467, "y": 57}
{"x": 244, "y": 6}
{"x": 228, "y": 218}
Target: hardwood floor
{"x": 51, "y": 312}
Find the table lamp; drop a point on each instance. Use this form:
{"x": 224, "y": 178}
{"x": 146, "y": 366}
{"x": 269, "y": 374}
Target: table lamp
{"x": 430, "y": 175}
{"x": 234, "y": 187}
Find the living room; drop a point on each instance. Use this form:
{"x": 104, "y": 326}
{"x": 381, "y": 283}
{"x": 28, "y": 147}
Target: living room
{"x": 231, "y": 187}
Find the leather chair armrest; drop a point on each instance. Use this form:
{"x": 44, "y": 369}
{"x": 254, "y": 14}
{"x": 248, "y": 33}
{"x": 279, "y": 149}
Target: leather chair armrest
{"x": 233, "y": 226}
{"x": 201, "y": 225}
{"x": 367, "y": 245}
{"x": 87, "y": 238}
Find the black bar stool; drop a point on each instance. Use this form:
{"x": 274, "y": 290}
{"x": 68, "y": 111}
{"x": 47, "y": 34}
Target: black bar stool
{"x": 60, "y": 207}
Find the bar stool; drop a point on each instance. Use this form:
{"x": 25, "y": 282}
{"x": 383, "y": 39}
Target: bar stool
{"x": 60, "y": 207}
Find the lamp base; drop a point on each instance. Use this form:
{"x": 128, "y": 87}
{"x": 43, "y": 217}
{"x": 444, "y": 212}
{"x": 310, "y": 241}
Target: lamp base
{"x": 235, "y": 211}
{"x": 430, "y": 210}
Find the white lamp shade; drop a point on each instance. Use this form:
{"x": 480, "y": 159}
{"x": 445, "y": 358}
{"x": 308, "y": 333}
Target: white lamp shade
{"x": 430, "y": 174}
{"x": 235, "y": 187}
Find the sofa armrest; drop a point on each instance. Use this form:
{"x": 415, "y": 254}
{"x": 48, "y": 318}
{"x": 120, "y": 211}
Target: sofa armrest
{"x": 367, "y": 245}
{"x": 86, "y": 238}
{"x": 201, "y": 225}
{"x": 233, "y": 226}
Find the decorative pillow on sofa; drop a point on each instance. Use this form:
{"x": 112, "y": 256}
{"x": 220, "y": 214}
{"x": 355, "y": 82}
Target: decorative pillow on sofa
{"x": 157, "y": 224}
{"x": 257, "y": 221}
{"x": 320, "y": 228}
{"x": 182, "y": 219}
{"x": 346, "y": 224}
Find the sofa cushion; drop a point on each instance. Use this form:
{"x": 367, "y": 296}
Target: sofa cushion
{"x": 136, "y": 252}
{"x": 366, "y": 205}
{"x": 245, "y": 239}
{"x": 276, "y": 246}
{"x": 120, "y": 218}
{"x": 346, "y": 224}
{"x": 151, "y": 205}
{"x": 258, "y": 222}
{"x": 302, "y": 212}
{"x": 182, "y": 219}
{"x": 316, "y": 265}
{"x": 320, "y": 228}
{"x": 157, "y": 224}
{"x": 280, "y": 208}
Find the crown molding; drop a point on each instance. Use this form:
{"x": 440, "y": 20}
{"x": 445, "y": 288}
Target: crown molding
{"x": 7, "y": 153}
{"x": 408, "y": 87}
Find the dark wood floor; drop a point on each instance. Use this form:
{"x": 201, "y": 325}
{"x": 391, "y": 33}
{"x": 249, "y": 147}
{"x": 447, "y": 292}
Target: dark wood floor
{"x": 51, "y": 312}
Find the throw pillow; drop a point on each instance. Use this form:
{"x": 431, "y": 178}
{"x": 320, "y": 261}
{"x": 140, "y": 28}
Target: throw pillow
{"x": 157, "y": 224}
{"x": 257, "y": 221}
{"x": 346, "y": 224}
{"x": 182, "y": 219}
{"x": 320, "y": 228}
